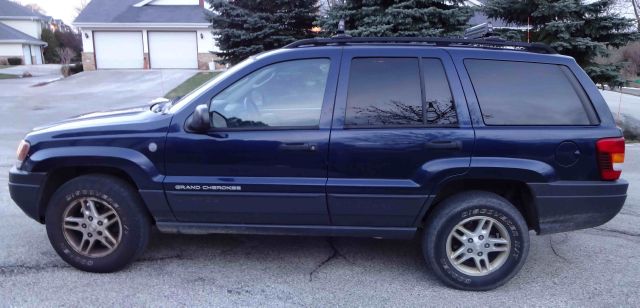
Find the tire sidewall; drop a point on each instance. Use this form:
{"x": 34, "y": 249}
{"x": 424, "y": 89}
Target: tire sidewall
{"x": 493, "y": 208}
{"x": 117, "y": 198}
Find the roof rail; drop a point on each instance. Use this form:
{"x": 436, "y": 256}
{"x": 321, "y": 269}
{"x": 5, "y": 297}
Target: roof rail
{"x": 489, "y": 43}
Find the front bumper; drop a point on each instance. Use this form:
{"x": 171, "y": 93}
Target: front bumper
{"x": 568, "y": 205}
{"x": 25, "y": 189}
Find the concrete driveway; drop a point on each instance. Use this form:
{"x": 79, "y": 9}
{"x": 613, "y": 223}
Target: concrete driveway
{"x": 595, "y": 267}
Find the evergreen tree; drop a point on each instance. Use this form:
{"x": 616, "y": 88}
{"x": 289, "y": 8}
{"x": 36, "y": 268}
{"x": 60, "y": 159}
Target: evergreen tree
{"x": 398, "y": 17}
{"x": 577, "y": 28}
{"x": 247, "y": 27}
{"x": 50, "y": 52}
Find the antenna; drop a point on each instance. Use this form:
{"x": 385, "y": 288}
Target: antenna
{"x": 341, "y": 29}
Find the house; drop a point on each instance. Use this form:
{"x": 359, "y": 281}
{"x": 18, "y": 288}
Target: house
{"x": 145, "y": 34}
{"x": 20, "y": 32}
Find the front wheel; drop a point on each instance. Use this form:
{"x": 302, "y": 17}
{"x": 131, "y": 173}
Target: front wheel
{"x": 475, "y": 241}
{"x": 97, "y": 223}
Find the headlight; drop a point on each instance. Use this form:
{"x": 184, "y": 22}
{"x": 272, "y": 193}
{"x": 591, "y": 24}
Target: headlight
{"x": 23, "y": 150}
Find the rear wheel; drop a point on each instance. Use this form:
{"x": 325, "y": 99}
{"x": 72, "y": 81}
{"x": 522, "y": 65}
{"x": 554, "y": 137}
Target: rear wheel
{"x": 476, "y": 241}
{"x": 97, "y": 223}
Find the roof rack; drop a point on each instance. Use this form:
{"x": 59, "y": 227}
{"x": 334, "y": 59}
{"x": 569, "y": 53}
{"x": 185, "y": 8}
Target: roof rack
{"x": 489, "y": 43}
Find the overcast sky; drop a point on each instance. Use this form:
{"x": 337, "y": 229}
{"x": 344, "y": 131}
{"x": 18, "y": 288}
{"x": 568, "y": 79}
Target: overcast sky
{"x": 59, "y": 9}
{"x": 66, "y": 9}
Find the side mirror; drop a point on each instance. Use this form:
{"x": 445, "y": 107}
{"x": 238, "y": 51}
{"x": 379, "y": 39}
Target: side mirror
{"x": 199, "y": 120}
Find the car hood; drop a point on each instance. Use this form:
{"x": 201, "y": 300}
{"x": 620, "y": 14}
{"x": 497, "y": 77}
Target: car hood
{"x": 112, "y": 122}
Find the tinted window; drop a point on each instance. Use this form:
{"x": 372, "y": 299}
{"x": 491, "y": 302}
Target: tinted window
{"x": 440, "y": 107}
{"x": 384, "y": 91}
{"x": 518, "y": 93}
{"x": 287, "y": 94}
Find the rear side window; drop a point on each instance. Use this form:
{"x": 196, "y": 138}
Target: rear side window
{"x": 520, "y": 93}
{"x": 440, "y": 107}
{"x": 384, "y": 92}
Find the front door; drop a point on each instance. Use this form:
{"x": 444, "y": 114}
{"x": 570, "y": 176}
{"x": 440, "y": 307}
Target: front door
{"x": 400, "y": 120}
{"x": 265, "y": 159}
{"x": 26, "y": 51}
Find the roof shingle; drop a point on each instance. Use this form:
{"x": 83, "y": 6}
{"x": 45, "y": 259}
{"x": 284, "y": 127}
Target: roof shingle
{"x": 8, "y": 34}
{"x": 12, "y": 9}
{"x": 123, "y": 11}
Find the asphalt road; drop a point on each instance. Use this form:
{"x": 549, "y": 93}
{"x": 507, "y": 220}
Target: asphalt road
{"x": 595, "y": 267}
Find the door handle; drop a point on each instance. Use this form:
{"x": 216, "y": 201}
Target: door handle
{"x": 299, "y": 147}
{"x": 444, "y": 145}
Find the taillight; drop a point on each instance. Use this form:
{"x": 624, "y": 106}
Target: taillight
{"x": 610, "y": 157}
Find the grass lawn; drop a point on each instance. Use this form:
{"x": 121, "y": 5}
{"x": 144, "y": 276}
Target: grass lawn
{"x": 7, "y": 76}
{"x": 191, "y": 84}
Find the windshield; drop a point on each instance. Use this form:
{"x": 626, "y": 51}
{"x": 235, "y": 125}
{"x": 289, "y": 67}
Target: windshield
{"x": 203, "y": 88}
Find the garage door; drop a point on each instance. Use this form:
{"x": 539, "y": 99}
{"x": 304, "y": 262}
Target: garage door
{"x": 173, "y": 49}
{"x": 119, "y": 50}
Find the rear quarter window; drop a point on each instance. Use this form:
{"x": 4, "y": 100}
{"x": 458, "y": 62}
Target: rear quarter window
{"x": 522, "y": 93}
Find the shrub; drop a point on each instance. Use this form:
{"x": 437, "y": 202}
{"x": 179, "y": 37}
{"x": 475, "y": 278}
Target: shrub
{"x": 76, "y": 68}
{"x": 14, "y": 61}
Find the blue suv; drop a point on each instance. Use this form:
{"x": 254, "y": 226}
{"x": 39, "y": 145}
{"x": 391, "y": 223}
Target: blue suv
{"x": 469, "y": 144}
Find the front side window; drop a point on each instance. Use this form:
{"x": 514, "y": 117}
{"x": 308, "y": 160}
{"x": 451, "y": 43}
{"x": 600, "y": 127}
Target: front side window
{"x": 286, "y": 94}
{"x": 522, "y": 93}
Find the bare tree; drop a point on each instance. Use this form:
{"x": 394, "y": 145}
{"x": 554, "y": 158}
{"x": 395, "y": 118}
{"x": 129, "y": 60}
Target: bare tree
{"x": 81, "y": 5}
{"x": 36, "y": 8}
{"x": 65, "y": 54}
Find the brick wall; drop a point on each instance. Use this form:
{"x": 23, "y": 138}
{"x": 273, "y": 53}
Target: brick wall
{"x": 88, "y": 61}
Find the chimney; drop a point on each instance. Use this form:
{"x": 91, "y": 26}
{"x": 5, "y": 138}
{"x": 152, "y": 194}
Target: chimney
{"x": 202, "y": 3}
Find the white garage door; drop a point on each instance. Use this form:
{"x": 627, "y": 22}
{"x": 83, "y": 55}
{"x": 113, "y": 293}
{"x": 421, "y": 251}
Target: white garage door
{"x": 118, "y": 50}
{"x": 173, "y": 49}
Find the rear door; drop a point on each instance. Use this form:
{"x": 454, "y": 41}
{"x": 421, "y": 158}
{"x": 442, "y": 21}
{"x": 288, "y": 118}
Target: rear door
{"x": 400, "y": 118}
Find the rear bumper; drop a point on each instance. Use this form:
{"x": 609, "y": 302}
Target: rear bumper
{"x": 567, "y": 205}
{"x": 24, "y": 188}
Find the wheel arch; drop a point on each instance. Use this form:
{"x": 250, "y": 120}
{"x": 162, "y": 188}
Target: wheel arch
{"x": 517, "y": 192}
{"x": 59, "y": 176}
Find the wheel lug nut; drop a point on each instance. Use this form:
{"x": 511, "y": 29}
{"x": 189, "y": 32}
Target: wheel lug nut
{"x": 99, "y": 223}
{"x": 481, "y": 237}
{"x": 486, "y": 245}
{"x": 90, "y": 218}
{"x": 469, "y": 250}
{"x": 470, "y": 240}
{"x": 100, "y": 233}
{"x": 480, "y": 254}
{"x": 84, "y": 225}
{"x": 89, "y": 235}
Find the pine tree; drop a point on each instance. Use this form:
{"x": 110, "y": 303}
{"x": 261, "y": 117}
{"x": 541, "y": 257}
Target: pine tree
{"x": 398, "y": 17}
{"x": 50, "y": 52}
{"x": 577, "y": 28}
{"x": 246, "y": 27}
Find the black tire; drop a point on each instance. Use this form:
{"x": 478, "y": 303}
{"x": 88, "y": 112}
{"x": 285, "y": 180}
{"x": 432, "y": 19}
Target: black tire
{"x": 462, "y": 207}
{"x": 134, "y": 221}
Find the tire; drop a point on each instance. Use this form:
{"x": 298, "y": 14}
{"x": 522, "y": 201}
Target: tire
{"x": 120, "y": 237}
{"x": 498, "y": 261}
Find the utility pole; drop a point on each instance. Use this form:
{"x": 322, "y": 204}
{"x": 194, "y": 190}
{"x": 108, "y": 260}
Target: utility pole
{"x": 636, "y": 11}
